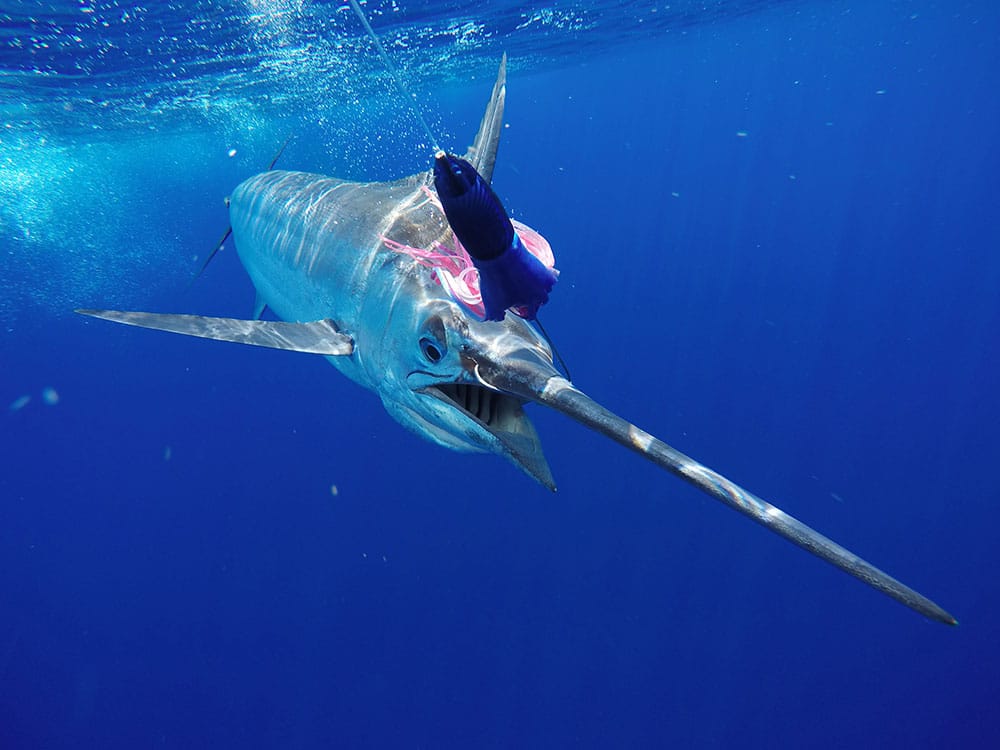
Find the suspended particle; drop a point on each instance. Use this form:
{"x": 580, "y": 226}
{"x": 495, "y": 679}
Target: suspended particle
{"x": 19, "y": 403}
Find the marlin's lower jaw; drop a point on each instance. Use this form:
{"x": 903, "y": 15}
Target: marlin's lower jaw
{"x": 492, "y": 421}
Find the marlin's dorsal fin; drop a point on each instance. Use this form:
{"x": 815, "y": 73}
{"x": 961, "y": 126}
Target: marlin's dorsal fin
{"x": 482, "y": 154}
{"x": 317, "y": 337}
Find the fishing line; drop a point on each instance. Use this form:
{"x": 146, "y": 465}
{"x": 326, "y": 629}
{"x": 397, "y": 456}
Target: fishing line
{"x": 396, "y": 77}
{"x": 555, "y": 350}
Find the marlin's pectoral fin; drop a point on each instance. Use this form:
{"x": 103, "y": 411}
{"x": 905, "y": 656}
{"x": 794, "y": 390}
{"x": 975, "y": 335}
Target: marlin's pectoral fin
{"x": 317, "y": 337}
{"x": 259, "y": 306}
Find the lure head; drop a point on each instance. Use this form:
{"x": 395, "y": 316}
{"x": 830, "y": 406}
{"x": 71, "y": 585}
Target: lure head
{"x": 474, "y": 211}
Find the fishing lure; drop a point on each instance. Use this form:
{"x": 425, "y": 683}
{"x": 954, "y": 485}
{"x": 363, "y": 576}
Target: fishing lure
{"x": 453, "y": 268}
{"x": 509, "y": 275}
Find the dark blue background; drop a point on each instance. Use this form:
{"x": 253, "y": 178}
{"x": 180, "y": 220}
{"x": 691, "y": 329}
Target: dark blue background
{"x": 814, "y": 314}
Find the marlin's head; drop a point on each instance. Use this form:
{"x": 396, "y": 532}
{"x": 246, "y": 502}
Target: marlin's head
{"x": 442, "y": 395}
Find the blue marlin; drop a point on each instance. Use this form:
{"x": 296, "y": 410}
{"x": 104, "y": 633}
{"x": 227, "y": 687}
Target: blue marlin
{"x": 315, "y": 248}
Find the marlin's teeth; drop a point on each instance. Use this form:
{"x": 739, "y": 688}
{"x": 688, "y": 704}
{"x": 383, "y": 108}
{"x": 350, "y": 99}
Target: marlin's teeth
{"x": 492, "y": 413}
{"x": 473, "y": 403}
{"x": 481, "y": 403}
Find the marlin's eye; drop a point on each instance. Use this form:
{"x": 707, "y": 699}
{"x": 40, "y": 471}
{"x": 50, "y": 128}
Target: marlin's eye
{"x": 433, "y": 339}
{"x": 431, "y": 349}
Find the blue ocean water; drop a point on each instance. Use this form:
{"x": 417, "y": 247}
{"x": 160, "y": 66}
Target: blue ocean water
{"x": 777, "y": 230}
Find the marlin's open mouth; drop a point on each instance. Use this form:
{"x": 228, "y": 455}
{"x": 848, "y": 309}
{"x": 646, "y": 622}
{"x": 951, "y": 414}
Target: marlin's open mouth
{"x": 502, "y": 416}
{"x": 498, "y": 412}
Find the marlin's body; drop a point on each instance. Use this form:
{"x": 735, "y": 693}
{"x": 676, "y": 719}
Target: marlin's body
{"x": 312, "y": 246}
{"x": 315, "y": 248}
